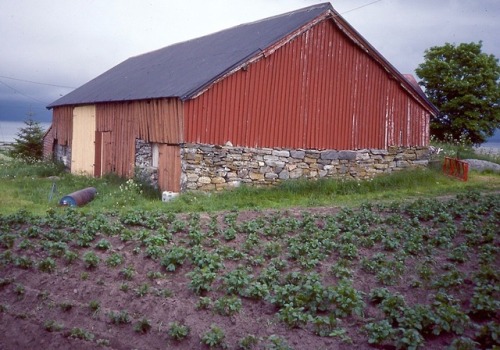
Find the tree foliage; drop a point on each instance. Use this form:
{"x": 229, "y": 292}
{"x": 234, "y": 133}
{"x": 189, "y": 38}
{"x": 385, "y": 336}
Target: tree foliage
{"x": 29, "y": 142}
{"x": 463, "y": 83}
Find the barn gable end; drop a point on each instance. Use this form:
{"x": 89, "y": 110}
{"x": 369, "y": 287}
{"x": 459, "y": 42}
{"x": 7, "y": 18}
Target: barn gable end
{"x": 319, "y": 90}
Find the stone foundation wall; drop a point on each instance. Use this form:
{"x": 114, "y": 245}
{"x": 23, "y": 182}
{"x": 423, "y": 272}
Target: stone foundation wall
{"x": 63, "y": 154}
{"x": 209, "y": 167}
{"x": 144, "y": 168}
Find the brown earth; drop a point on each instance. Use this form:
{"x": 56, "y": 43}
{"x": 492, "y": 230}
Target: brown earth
{"x": 64, "y": 295}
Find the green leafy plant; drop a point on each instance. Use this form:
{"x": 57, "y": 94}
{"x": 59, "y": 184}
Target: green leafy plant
{"x": 463, "y": 343}
{"x": 128, "y": 272}
{"x": 121, "y": 317}
{"x": 142, "y": 326}
{"x": 409, "y": 338}
{"x": 94, "y": 305}
{"x": 114, "y": 260}
{"x": 277, "y": 343}
{"x": 378, "y": 332}
{"x": 142, "y": 290}
{"x": 91, "y": 260}
{"x": 70, "y": 256}
{"x": 124, "y": 287}
{"x": 81, "y": 334}
{"x": 178, "y": 331}
{"x": 227, "y": 306}
{"x": 201, "y": 279}
{"x": 214, "y": 337}
{"x": 248, "y": 342}
{"x": 47, "y": 265}
{"x": 66, "y": 306}
{"x": 203, "y": 303}
{"x": 488, "y": 334}
{"x": 174, "y": 258}
{"x": 293, "y": 316}
{"x": 324, "y": 325}
{"x": 23, "y": 262}
{"x": 52, "y": 326}
{"x": 20, "y": 290}
{"x": 236, "y": 281}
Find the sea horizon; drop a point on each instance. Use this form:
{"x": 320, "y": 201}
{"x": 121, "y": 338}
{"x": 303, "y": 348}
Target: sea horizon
{"x": 9, "y": 130}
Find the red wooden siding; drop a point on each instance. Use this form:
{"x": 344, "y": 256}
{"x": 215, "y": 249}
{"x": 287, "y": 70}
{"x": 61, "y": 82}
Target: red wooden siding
{"x": 103, "y": 153}
{"x": 158, "y": 121}
{"x": 62, "y": 125}
{"x": 318, "y": 91}
{"x": 48, "y": 143}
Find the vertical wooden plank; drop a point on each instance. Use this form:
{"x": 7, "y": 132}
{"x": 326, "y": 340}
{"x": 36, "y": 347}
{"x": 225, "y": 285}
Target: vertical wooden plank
{"x": 169, "y": 167}
{"x": 98, "y": 154}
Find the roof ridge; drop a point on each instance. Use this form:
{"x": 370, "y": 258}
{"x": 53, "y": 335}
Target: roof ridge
{"x": 304, "y": 9}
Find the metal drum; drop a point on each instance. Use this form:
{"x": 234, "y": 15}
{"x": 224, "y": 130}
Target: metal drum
{"x": 78, "y": 198}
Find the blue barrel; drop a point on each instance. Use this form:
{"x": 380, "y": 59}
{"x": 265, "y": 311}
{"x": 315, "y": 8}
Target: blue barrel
{"x": 78, "y": 198}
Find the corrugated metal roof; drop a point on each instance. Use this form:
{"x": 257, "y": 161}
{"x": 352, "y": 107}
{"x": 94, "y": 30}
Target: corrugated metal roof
{"x": 183, "y": 69}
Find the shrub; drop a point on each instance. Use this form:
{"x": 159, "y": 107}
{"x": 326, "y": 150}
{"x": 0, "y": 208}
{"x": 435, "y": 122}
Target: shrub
{"x": 28, "y": 145}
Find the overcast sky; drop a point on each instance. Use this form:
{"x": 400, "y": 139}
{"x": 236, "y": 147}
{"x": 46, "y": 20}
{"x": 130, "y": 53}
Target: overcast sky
{"x": 65, "y": 43}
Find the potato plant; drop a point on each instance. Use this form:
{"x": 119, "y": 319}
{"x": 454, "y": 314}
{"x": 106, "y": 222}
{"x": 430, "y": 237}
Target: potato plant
{"x": 404, "y": 273}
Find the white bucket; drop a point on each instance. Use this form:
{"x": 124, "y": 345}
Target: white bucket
{"x": 167, "y": 196}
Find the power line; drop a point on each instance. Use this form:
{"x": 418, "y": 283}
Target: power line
{"x": 359, "y": 7}
{"x": 37, "y": 82}
{"x": 19, "y": 92}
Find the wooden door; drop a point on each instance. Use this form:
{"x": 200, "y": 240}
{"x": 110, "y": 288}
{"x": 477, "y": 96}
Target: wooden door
{"x": 169, "y": 167}
{"x": 83, "y": 144}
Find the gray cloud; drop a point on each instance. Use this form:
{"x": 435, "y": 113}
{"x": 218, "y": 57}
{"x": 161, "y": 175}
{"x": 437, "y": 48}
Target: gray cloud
{"x": 70, "y": 42}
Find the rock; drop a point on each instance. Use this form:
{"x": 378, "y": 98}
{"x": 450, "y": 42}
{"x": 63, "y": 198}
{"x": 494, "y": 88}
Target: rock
{"x": 481, "y": 165}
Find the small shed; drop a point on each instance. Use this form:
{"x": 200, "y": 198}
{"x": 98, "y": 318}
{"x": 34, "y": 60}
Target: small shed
{"x": 301, "y": 94}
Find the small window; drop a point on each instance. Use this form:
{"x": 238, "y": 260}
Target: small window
{"x": 155, "y": 155}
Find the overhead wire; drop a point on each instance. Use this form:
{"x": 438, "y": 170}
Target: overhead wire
{"x": 21, "y": 93}
{"x": 37, "y": 82}
{"x": 359, "y": 7}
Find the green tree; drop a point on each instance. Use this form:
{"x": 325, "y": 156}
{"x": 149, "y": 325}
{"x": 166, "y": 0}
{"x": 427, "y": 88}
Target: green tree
{"x": 29, "y": 142}
{"x": 463, "y": 83}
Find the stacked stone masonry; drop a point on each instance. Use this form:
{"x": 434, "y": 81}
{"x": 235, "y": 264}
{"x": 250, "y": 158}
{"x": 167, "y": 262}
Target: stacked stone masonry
{"x": 209, "y": 167}
{"x": 144, "y": 167}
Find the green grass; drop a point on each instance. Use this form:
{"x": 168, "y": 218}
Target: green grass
{"x": 30, "y": 187}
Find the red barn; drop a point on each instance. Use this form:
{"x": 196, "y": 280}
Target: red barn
{"x": 301, "y": 94}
